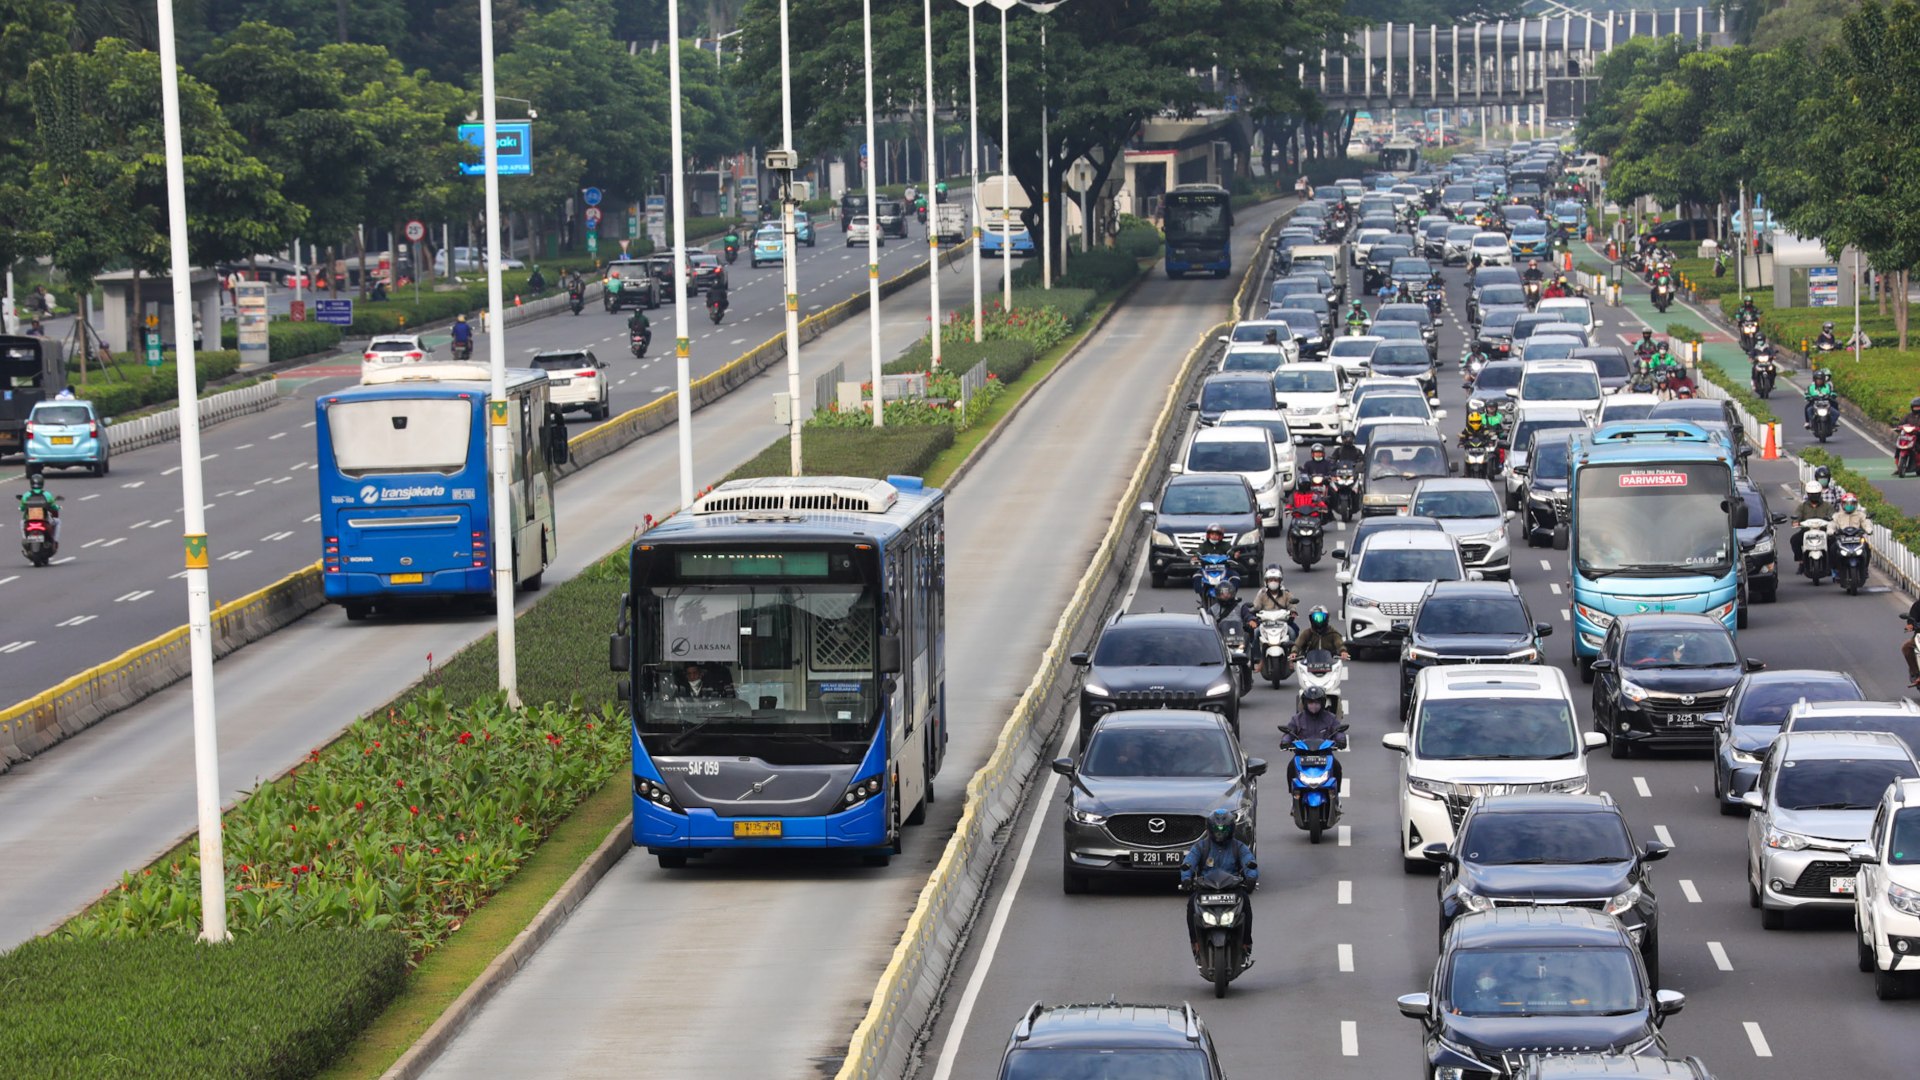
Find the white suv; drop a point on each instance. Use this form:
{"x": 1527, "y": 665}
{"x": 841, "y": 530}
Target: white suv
{"x": 1493, "y": 249}
{"x": 1311, "y": 395}
{"x": 576, "y": 379}
{"x": 390, "y": 350}
{"x": 1247, "y": 451}
{"x": 1382, "y": 589}
{"x": 1483, "y": 729}
{"x": 1571, "y": 384}
{"x": 1353, "y": 353}
{"x": 1886, "y": 894}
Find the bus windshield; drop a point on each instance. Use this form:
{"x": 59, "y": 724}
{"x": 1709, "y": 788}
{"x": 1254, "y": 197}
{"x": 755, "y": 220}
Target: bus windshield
{"x": 1653, "y": 518}
{"x": 727, "y": 667}
{"x": 400, "y": 435}
{"x": 1200, "y": 218}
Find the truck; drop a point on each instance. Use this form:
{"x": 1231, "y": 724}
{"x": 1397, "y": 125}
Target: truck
{"x": 32, "y": 370}
{"x": 950, "y": 222}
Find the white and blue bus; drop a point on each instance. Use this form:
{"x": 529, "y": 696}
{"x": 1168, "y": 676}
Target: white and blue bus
{"x": 1199, "y": 226}
{"x": 406, "y": 496}
{"x": 786, "y": 653}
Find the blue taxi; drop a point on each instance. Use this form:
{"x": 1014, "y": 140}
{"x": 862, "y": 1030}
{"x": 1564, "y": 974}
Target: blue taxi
{"x": 769, "y": 246}
{"x": 67, "y": 434}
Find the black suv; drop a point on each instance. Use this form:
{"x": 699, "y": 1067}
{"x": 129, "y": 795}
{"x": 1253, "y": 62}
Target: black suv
{"x": 639, "y": 288}
{"x": 1757, "y": 540}
{"x": 1160, "y": 660}
{"x": 1516, "y": 982}
{"x": 1469, "y": 622}
{"x": 1084, "y": 1040}
{"x": 1188, "y": 504}
{"x": 1574, "y": 850}
{"x": 1659, "y": 675}
{"x": 1543, "y": 489}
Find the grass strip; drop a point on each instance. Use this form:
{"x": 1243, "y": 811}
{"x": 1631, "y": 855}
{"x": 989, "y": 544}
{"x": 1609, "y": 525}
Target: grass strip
{"x": 1896, "y": 521}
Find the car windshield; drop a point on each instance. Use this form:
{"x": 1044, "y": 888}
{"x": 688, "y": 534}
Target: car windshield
{"x": 1406, "y": 461}
{"x": 1608, "y": 365}
{"x": 1405, "y": 405}
{"x": 1536, "y": 837}
{"x": 1401, "y": 354}
{"x": 1262, "y": 361}
{"x": 1497, "y": 728}
{"x": 1903, "y": 847}
{"x": 1187, "y": 750}
{"x": 561, "y": 361}
{"x": 1305, "y": 379}
{"x": 1495, "y": 379}
{"x": 1223, "y": 456}
{"x": 1218, "y": 397}
{"x": 1255, "y": 331}
{"x": 1086, "y": 1063}
{"x": 1398, "y": 331}
{"x": 1544, "y": 982}
{"x": 1549, "y": 461}
{"x": 1457, "y": 503}
{"x": 1409, "y": 564}
{"x": 1283, "y": 289}
{"x": 1303, "y": 322}
{"x": 1571, "y": 210}
{"x": 1904, "y": 728}
{"x": 1273, "y": 426}
{"x": 1451, "y": 615}
{"x": 1550, "y": 350}
{"x": 392, "y": 345}
{"x": 1559, "y": 386}
{"x": 1502, "y": 294}
{"x": 61, "y": 414}
{"x": 1160, "y": 646}
{"x": 1613, "y": 413}
{"x": 1499, "y": 322}
{"x": 1836, "y": 783}
{"x": 1671, "y": 648}
{"x": 1411, "y": 268}
{"x": 1766, "y": 704}
{"x": 1459, "y": 233}
{"x": 1225, "y": 500}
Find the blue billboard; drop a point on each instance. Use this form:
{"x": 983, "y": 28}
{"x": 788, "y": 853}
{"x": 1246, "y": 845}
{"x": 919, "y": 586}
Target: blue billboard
{"x": 516, "y": 147}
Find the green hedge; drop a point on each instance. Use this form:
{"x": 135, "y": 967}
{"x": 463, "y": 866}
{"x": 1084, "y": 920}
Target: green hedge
{"x": 1882, "y": 382}
{"x": 264, "y": 1006}
{"x": 1739, "y": 391}
{"x": 287, "y": 340}
{"x": 1699, "y": 273}
{"x": 1006, "y": 359}
{"x": 1097, "y": 271}
{"x": 834, "y": 451}
{"x": 1139, "y": 239}
{"x": 1072, "y": 303}
{"x": 1896, "y": 521}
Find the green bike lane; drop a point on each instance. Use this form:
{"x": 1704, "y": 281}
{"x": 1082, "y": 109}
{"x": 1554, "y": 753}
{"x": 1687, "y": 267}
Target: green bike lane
{"x": 1720, "y": 348}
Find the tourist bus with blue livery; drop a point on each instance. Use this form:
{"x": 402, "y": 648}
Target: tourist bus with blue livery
{"x": 406, "y": 493}
{"x": 1199, "y": 230}
{"x": 1653, "y": 519}
{"x": 785, "y": 655}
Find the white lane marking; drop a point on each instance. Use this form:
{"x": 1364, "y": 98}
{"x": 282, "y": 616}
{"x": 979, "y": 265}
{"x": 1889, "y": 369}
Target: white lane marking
{"x": 1566, "y": 615}
{"x": 280, "y": 479}
{"x": 1555, "y": 586}
{"x": 15, "y": 646}
{"x": 176, "y": 577}
{"x": 135, "y": 484}
{"x": 1345, "y": 893}
{"x": 1664, "y": 836}
{"x": 210, "y": 457}
{"x": 280, "y": 435}
{"x": 170, "y": 472}
{"x": 1346, "y": 956}
{"x": 282, "y": 535}
{"x": 77, "y": 620}
{"x": 232, "y": 555}
{"x": 311, "y": 518}
{"x": 1719, "y": 952}
{"x": 1640, "y": 785}
{"x": 115, "y": 540}
{"x": 1545, "y": 565}
{"x": 1758, "y": 1039}
{"x": 1345, "y": 833}
{"x": 1346, "y": 789}
{"x": 1686, "y": 888}
{"x": 88, "y": 498}
{"x": 63, "y": 560}
{"x": 943, "y": 1069}
{"x": 162, "y": 521}
{"x": 141, "y": 522}
{"x": 244, "y": 446}
{"x": 137, "y": 594}
{"x": 243, "y": 491}
{"x": 263, "y": 480}
{"x": 307, "y": 424}
{"x": 660, "y": 389}
{"x": 220, "y": 494}
{"x": 92, "y": 542}
{"x": 738, "y": 341}
{"x": 9, "y": 577}
{"x": 1349, "y": 1039}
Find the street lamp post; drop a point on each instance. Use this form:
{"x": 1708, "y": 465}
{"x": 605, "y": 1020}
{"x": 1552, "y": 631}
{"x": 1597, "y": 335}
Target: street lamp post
{"x": 933, "y": 199}
{"x": 1046, "y": 160}
{"x": 497, "y": 406}
{"x": 683, "y": 375}
{"x": 973, "y": 158}
{"x": 789, "y": 258}
{"x": 1006, "y": 169}
{"x": 867, "y": 163}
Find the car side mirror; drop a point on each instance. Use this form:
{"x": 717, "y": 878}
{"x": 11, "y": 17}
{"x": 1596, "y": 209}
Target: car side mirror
{"x": 1592, "y": 740}
{"x": 1193, "y": 406}
{"x": 1714, "y": 719}
{"x": 1256, "y": 766}
{"x": 1147, "y": 508}
{"x": 1541, "y": 629}
{"x": 1395, "y": 740}
{"x": 1439, "y": 414}
{"x": 1343, "y": 577}
{"x": 1475, "y": 575}
{"x": 1079, "y": 659}
{"x": 1437, "y": 854}
{"x": 1452, "y": 467}
{"x": 1602, "y": 665}
{"x": 1862, "y": 853}
{"x": 889, "y": 654}
{"x": 1509, "y": 516}
{"x": 1176, "y": 468}
{"x": 1753, "y": 800}
{"x": 1063, "y": 766}
{"x": 1756, "y": 665}
{"x": 1339, "y": 554}
{"x": 1223, "y": 339}
{"x": 1415, "y": 1006}
{"x": 1779, "y": 519}
{"x": 618, "y": 646}
{"x": 1668, "y": 1002}
{"x": 1653, "y": 850}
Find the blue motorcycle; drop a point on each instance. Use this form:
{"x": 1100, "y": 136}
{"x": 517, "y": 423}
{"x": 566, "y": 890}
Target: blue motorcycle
{"x": 1313, "y": 781}
{"x": 1214, "y": 571}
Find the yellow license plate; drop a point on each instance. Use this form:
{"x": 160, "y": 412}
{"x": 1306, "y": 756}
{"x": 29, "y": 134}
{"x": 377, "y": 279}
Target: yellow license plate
{"x": 406, "y": 579}
{"x": 63, "y": 440}
{"x": 755, "y": 828}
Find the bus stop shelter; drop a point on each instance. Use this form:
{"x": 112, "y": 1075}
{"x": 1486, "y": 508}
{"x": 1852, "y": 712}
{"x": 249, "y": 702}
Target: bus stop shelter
{"x": 119, "y": 323}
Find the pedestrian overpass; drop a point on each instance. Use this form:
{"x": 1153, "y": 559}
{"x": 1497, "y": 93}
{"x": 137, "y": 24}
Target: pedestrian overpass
{"x": 1546, "y": 60}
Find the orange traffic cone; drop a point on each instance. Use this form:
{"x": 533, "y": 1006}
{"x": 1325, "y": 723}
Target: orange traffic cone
{"x": 1770, "y": 448}
{"x": 1566, "y": 260}
{"x": 516, "y": 299}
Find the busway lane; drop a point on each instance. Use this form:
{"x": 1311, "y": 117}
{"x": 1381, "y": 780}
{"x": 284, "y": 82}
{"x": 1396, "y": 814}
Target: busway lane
{"x": 1761, "y": 1004}
{"x": 660, "y": 966}
{"x": 115, "y": 584}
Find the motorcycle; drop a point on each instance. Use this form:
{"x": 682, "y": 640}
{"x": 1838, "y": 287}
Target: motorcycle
{"x": 39, "y": 541}
{"x": 1763, "y": 375}
{"x": 463, "y": 350}
{"x": 1824, "y": 419}
{"x": 1471, "y": 367}
{"x": 1533, "y": 294}
{"x": 733, "y": 253}
{"x": 1906, "y": 450}
{"x": 715, "y": 310}
{"x": 1813, "y": 550}
{"x": 1435, "y": 301}
{"x": 1275, "y": 633}
{"x": 1479, "y": 459}
{"x": 1344, "y": 499}
{"x": 1850, "y": 559}
{"x": 1214, "y": 571}
{"x": 1316, "y": 797}
{"x": 1749, "y": 328}
{"x": 1217, "y": 918}
{"x": 1663, "y": 295}
{"x": 576, "y": 299}
{"x": 1305, "y": 537}
{"x": 1233, "y": 635}
{"x": 639, "y": 340}
{"x": 1328, "y": 672}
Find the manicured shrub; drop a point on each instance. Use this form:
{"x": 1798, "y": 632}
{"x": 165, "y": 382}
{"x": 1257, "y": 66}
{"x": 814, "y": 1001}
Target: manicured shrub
{"x": 854, "y": 451}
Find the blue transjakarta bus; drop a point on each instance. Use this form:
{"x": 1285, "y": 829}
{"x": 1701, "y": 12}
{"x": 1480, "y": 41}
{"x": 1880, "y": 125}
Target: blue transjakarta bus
{"x": 786, "y": 648}
{"x": 1199, "y": 226}
{"x": 1653, "y": 519}
{"x": 406, "y": 497}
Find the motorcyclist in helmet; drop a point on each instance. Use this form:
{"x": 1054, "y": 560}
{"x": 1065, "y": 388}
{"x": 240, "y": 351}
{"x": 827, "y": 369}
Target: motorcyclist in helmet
{"x": 1274, "y": 596}
{"x": 1317, "y": 458}
{"x": 1747, "y": 311}
{"x": 639, "y": 323}
{"x": 1850, "y": 515}
{"x": 536, "y": 281}
{"x": 1346, "y": 450}
{"x": 1312, "y": 723}
{"x": 1826, "y": 342}
{"x": 1912, "y": 417}
{"x": 1821, "y": 387}
{"x": 462, "y": 331}
{"x": 1556, "y": 289}
{"x": 1533, "y": 273}
{"x": 1358, "y": 321}
{"x": 1219, "y": 849}
{"x": 1216, "y": 542}
{"x": 1320, "y": 634}
{"x": 1646, "y": 346}
{"x": 717, "y": 295}
{"x": 1813, "y": 506}
{"x": 575, "y": 284}
{"x": 37, "y": 495}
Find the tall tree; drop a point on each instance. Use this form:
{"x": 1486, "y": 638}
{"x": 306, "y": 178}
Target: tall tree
{"x": 30, "y": 31}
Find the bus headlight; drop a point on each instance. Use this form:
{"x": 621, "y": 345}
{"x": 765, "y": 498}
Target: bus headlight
{"x": 1600, "y": 619}
{"x": 860, "y": 791}
{"x": 654, "y": 792}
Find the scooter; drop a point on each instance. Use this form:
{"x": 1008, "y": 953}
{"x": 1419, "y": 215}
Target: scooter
{"x": 733, "y": 253}
{"x": 1764, "y": 374}
{"x": 1310, "y": 779}
{"x": 38, "y": 535}
{"x": 1305, "y": 537}
{"x": 1824, "y": 421}
{"x": 1663, "y": 295}
{"x": 1479, "y": 459}
{"x": 1906, "y": 450}
{"x": 1344, "y": 498}
{"x": 1436, "y": 300}
{"x": 1233, "y": 636}
{"x": 639, "y": 341}
{"x": 1850, "y": 559}
{"x": 1813, "y": 550}
{"x": 576, "y": 299}
{"x": 1749, "y": 328}
{"x": 1470, "y": 367}
{"x": 1275, "y": 633}
{"x": 1328, "y": 672}
{"x": 463, "y": 350}
{"x": 715, "y": 311}
{"x": 1217, "y": 918}
{"x": 1533, "y": 294}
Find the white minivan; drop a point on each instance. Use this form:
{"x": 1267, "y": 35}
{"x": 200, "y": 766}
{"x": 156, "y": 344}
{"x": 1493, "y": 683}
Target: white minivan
{"x": 1483, "y": 729}
{"x": 1245, "y": 450}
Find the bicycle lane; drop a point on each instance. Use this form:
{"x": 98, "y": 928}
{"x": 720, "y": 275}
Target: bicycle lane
{"x": 1862, "y": 453}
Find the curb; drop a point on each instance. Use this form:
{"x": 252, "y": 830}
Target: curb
{"x": 425, "y": 1050}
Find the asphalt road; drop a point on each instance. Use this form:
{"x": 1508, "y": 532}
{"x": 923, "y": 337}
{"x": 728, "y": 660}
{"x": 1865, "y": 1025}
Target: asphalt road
{"x": 762, "y": 967}
{"x": 112, "y": 586}
{"x": 1343, "y": 931}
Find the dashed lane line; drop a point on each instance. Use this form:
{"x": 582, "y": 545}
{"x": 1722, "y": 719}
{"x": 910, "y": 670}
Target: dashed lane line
{"x": 1349, "y": 1039}
{"x": 15, "y": 646}
{"x": 279, "y": 435}
{"x": 77, "y": 620}
{"x": 1345, "y": 952}
{"x": 9, "y": 577}
{"x": 115, "y": 540}
{"x": 137, "y": 594}
{"x": 176, "y": 468}
{"x": 1345, "y": 833}
{"x": 1545, "y": 564}
{"x": 1719, "y": 952}
{"x": 1664, "y": 836}
{"x": 1640, "y": 786}
{"x": 1758, "y": 1039}
{"x": 1344, "y": 893}
{"x": 1686, "y": 888}
{"x": 135, "y": 484}
{"x": 89, "y": 498}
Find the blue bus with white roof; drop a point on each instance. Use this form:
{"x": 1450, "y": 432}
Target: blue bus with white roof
{"x": 406, "y": 493}
{"x": 1653, "y": 514}
{"x": 784, "y": 647}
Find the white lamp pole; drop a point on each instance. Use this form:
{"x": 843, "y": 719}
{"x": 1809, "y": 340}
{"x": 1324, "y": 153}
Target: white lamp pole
{"x": 1006, "y": 167}
{"x": 973, "y": 158}
{"x": 206, "y": 746}
{"x": 504, "y": 570}
{"x": 789, "y": 258}
{"x": 867, "y": 165}
{"x": 1046, "y": 159}
{"x": 683, "y": 375}
{"x": 933, "y": 199}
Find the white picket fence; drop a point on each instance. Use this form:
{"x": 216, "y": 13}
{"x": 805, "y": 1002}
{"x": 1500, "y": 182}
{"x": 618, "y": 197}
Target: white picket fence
{"x": 164, "y": 426}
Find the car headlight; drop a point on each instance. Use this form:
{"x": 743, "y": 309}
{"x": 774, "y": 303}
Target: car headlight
{"x": 1762, "y": 546}
{"x": 1743, "y": 757}
{"x": 1428, "y": 789}
{"x": 1906, "y": 901}
{"x": 1422, "y": 654}
{"x": 1781, "y": 840}
{"x": 1600, "y": 619}
{"x": 1624, "y": 901}
{"x": 1087, "y": 817}
{"x": 1493, "y": 537}
{"x": 1096, "y": 689}
{"x": 1377, "y": 499}
{"x": 1724, "y": 611}
{"x": 1272, "y": 479}
{"x": 1472, "y": 901}
{"x": 1224, "y": 686}
{"x": 1572, "y": 785}
{"x": 1632, "y": 691}
{"x": 1363, "y": 602}
{"x": 1524, "y": 656}
{"x": 1161, "y": 536}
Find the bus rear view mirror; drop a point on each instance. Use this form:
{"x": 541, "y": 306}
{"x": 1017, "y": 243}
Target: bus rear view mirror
{"x": 889, "y": 654}
{"x": 617, "y": 648}
{"x": 560, "y": 451}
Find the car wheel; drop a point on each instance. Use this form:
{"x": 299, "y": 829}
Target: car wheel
{"x": 1773, "y": 918}
{"x": 1753, "y": 891}
{"x": 1863, "y": 952}
{"x": 1770, "y": 593}
{"x": 1889, "y": 985}
{"x": 1740, "y": 617}
{"x": 1071, "y": 883}
{"x": 1157, "y": 578}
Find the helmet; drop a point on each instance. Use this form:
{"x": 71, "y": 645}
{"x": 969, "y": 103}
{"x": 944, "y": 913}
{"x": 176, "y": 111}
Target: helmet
{"x": 1346, "y": 438}
{"x": 1273, "y": 576}
{"x": 1821, "y": 377}
{"x": 1828, "y": 327}
{"x": 1474, "y": 420}
{"x": 1317, "y": 451}
{"x": 1533, "y": 262}
{"x": 1647, "y": 334}
{"x": 1318, "y": 617}
{"x": 460, "y": 318}
{"x": 1214, "y": 529}
{"x": 1813, "y": 489}
{"x": 1313, "y": 695}
{"x": 1914, "y": 405}
{"x": 1226, "y": 590}
{"x": 1849, "y": 501}
{"x": 36, "y": 483}
{"x": 1220, "y": 825}
{"x": 1823, "y": 474}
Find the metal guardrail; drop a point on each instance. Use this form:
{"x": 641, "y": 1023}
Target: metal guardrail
{"x": 972, "y": 381}
{"x": 164, "y": 426}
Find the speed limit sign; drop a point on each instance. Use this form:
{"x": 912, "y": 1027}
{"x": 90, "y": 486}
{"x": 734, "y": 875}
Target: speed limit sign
{"x": 416, "y": 232}
{"x": 593, "y": 216}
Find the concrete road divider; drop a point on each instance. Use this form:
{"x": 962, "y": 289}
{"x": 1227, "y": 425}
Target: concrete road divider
{"x": 903, "y": 1004}
{"x": 164, "y": 426}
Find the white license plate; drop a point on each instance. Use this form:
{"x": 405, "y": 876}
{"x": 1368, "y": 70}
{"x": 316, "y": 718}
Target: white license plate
{"x": 1684, "y": 720}
{"x": 1158, "y": 858}
{"x": 1841, "y": 885}
{"x": 1219, "y": 898}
